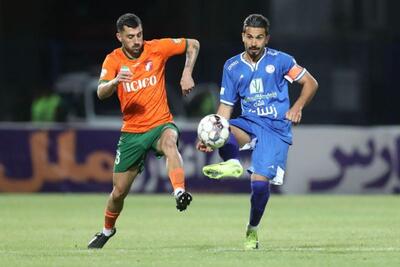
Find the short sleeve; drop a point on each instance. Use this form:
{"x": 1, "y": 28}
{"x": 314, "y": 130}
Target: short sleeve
{"x": 228, "y": 93}
{"x": 172, "y": 46}
{"x": 109, "y": 69}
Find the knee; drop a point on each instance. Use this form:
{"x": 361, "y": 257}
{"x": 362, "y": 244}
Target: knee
{"x": 118, "y": 194}
{"x": 169, "y": 146}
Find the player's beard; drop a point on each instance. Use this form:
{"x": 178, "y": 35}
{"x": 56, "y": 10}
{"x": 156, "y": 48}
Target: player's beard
{"x": 254, "y": 53}
{"x": 137, "y": 51}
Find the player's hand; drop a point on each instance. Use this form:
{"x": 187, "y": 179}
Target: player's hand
{"x": 202, "y": 147}
{"x": 294, "y": 115}
{"x": 187, "y": 84}
{"x": 124, "y": 76}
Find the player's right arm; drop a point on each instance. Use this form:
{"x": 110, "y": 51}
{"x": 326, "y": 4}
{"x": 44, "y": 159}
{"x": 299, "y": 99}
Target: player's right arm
{"x": 225, "y": 110}
{"x": 228, "y": 98}
{"x": 111, "y": 76}
{"x": 107, "y": 88}
{"x": 228, "y": 94}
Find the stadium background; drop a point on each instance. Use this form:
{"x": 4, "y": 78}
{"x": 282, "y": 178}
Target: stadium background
{"x": 351, "y": 46}
{"x": 348, "y": 141}
{"x": 339, "y": 204}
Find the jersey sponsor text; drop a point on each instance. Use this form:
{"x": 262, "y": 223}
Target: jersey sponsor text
{"x": 137, "y": 85}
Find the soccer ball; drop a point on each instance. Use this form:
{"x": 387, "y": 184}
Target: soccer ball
{"x": 213, "y": 131}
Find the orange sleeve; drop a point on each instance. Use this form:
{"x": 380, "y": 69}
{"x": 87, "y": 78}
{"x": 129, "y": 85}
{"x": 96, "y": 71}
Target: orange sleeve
{"x": 109, "y": 69}
{"x": 170, "y": 47}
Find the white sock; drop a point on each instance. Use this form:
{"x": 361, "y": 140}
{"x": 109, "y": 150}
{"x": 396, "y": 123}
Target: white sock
{"x": 251, "y": 227}
{"x": 178, "y": 191}
{"x": 235, "y": 161}
{"x": 107, "y": 232}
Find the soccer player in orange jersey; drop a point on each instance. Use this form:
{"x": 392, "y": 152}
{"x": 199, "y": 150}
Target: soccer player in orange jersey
{"x": 136, "y": 73}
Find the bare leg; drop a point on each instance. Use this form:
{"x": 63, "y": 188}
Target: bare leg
{"x": 122, "y": 182}
{"x": 167, "y": 145}
{"x": 241, "y": 136}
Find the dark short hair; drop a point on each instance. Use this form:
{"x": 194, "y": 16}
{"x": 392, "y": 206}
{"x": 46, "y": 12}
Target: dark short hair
{"x": 129, "y": 20}
{"x": 256, "y": 21}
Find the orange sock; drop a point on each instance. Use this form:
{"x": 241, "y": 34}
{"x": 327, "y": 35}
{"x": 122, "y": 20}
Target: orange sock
{"x": 177, "y": 177}
{"x": 110, "y": 218}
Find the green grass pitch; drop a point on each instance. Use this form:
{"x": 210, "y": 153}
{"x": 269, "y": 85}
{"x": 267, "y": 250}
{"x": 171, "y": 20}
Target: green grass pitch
{"x": 329, "y": 230}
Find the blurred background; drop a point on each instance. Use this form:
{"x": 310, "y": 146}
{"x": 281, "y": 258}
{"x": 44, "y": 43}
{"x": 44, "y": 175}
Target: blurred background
{"x": 56, "y": 48}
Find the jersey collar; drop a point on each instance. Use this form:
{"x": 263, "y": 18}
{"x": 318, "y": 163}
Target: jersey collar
{"x": 253, "y": 67}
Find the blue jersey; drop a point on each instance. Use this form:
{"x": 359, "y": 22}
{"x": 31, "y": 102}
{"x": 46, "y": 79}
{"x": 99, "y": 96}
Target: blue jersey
{"x": 262, "y": 89}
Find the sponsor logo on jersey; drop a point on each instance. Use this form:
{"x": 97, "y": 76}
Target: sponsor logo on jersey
{"x": 149, "y": 65}
{"x": 257, "y": 97}
{"x": 270, "y": 95}
{"x": 267, "y": 111}
{"x": 137, "y": 85}
{"x": 259, "y": 103}
{"x": 272, "y": 53}
{"x": 176, "y": 40}
{"x": 256, "y": 86}
{"x": 270, "y": 69}
{"x": 222, "y": 91}
{"x": 234, "y": 63}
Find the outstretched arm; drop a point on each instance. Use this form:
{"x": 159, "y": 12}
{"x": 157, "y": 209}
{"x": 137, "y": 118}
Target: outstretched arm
{"x": 309, "y": 89}
{"x": 192, "y": 50}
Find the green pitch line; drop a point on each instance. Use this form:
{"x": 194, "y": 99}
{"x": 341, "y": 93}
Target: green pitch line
{"x": 54, "y": 229}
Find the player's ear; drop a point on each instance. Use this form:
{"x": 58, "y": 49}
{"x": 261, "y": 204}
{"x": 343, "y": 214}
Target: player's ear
{"x": 118, "y": 35}
{"x": 243, "y": 36}
{"x": 267, "y": 38}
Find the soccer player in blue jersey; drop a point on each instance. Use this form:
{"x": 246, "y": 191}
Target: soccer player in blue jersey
{"x": 259, "y": 78}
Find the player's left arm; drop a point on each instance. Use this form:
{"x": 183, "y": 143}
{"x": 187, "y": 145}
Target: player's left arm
{"x": 310, "y": 86}
{"x": 192, "y": 50}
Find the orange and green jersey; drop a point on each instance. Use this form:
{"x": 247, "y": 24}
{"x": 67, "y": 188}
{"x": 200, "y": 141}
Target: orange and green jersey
{"x": 143, "y": 101}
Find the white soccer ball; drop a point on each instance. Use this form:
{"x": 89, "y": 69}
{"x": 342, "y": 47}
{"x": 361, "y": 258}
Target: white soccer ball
{"x": 213, "y": 131}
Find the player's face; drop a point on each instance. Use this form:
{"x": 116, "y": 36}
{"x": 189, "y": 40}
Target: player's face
{"x": 254, "y": 40}
{"x": 132, "y": 40}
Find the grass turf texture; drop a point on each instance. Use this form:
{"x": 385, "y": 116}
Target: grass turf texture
{"x": 53, "y": 230}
